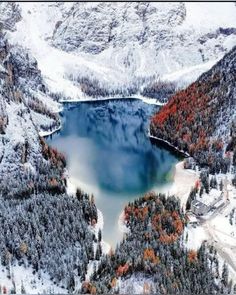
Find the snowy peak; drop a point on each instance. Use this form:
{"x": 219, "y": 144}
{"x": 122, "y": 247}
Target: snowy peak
{"x": 123, "y": 45}
{"x": 169, "y": 33}
{"x": 93, "y": 27}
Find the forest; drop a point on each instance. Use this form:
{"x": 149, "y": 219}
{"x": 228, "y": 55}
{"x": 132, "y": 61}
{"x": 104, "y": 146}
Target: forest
{"x": 161, "y": 90}
{"x": 155, "y": 248}
{"x": 41, "y": 226}
{"x": 197, "y": 119}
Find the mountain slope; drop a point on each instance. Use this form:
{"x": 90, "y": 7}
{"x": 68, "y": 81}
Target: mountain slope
{"x": 145, "y": 39}
{"x": 124, "y": 45}
{"x": 200, "y": 119}
{"x": 44, "y": 232}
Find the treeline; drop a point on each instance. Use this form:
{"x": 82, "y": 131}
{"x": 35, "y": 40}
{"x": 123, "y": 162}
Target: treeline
{"x": 91, "y": 86}
{"x": 198, "y": 119}
{"x": 161, "y": 90}
{"x": 204, "y": 185}
{"x": 155, "y": 250}
{"x": 40, "y": 224}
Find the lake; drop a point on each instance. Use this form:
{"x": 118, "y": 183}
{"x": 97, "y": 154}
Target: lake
{"x": 110, "y": 155}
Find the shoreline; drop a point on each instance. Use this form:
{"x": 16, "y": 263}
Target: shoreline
{"x": 178, "y": 182}
{"x": 183, "y": 181}
{"x": 146, "y": 100}
{"x": 179, "y": 187}
{"x": 168, "y": 145}
{"x": 48, "y": 133}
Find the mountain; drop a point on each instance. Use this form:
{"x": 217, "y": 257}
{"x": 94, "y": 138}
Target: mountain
{"x": 44, "y": 232}
{"x": 117, "y": 46}
{"x": 9, "y": 15}
{"x": 63, "y": 50}
{"x": 200, "y": 119}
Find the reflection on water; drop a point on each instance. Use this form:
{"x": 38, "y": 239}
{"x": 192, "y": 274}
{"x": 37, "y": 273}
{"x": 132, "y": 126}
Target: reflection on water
{"x": 109, "y": 154}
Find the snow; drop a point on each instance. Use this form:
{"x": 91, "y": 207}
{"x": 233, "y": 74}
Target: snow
{"x": 194, "y": 236}
{"x": 134, "y": 284}
{"x": 188, "y": 75}
{"x": 147, "y": 100}
{"x": 31, "y": 282}
{"x": 215, "y": 227}
{"x": 211, "y": 198}
{"x": 121, "y": 224}
{"x": 47, "y": 133}
{"x": 2, "y": 69}
{"x": 51, "y": 104}
{"x": 71, "y": 189}
{"x": 205, "y": 15}
{"x": 33, "y": 32}
{"x": 99, "y": 225}
{"x": 38, "y": 22}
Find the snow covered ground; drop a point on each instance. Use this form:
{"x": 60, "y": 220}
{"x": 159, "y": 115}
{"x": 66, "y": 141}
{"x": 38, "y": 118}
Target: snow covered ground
{"x": 24, "y": 279}
{"x": 218, "y": 227}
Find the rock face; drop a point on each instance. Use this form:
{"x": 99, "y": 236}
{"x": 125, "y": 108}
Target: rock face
{"x": 120, "y": 46}
{"x": 22, "y": 114}
{"x": 138, "y": 35}
{"x": 9, "y": 15}
{"x": 92, "y": 28}
{"x": 20, "y": 148}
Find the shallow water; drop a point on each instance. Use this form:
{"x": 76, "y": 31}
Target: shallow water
{"x": 109, "y": 154}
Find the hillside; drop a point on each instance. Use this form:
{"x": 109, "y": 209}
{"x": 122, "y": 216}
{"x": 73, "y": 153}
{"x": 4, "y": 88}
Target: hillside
{"x": 50, "y": 239}
{"x": 153, "y": 259}
{"x": 42, "y": 227}
{"x": 120, "y": 49}
{"x": 200, "y": 119}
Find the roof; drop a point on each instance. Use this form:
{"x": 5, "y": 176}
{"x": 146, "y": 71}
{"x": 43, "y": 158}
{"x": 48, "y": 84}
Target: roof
{"x": 198, "y": 204}
{"x": 210, "y": 198}
{"x": 192, "y": 218}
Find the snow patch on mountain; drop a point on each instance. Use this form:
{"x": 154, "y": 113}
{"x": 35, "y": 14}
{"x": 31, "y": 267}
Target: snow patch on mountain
{"x": 118, "y": 43}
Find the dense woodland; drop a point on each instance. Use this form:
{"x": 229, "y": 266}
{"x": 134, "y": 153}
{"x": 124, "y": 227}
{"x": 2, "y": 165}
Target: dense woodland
{"x": 155, "y": 248}
{"x": 160, "y": 90}
{"x": 43, "y": 227}
{"x": 50, "y": 233}
{"x": 197, "y": 120}
{"x": 40, "y": 224}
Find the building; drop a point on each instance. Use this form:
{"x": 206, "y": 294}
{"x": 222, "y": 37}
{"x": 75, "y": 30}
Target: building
{"x": 199, "y": 208}
{"x": 205, "y": 203}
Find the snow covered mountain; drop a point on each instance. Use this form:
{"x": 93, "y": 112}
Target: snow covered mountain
{"x": 122, "y": 45}
{"x": 59, "y": 50}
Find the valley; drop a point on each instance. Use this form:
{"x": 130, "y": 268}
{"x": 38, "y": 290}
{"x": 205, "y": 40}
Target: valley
{"x": 117, "y": 148}
{"x": 109, "y": 155}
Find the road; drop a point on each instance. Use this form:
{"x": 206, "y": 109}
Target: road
{"x": 224, "y": 249}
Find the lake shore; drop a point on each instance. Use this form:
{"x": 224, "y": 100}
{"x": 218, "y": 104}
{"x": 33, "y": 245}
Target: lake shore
{"x": 145, "y": 99}
{"x": 183, "y": 181}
